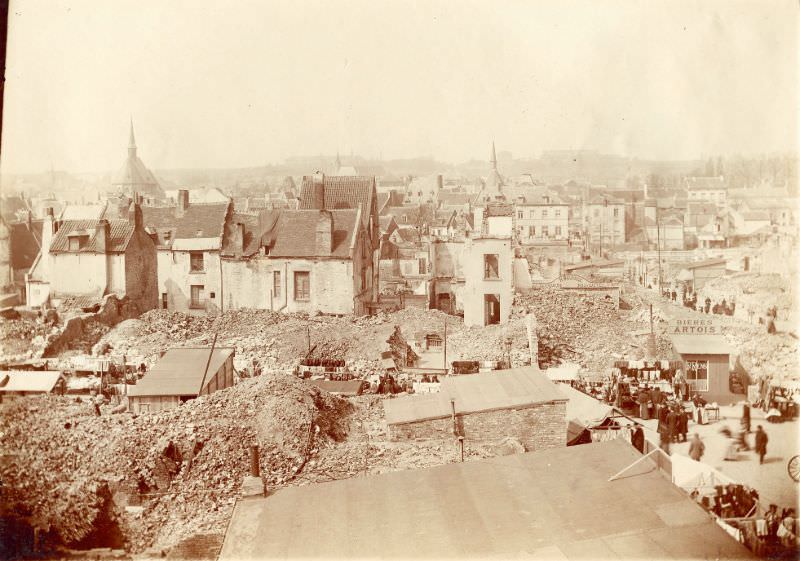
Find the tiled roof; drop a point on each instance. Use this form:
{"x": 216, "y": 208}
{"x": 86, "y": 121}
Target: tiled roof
{"x": 499, "y": 209}
{"x": 198, "y": 221}
{"x": 120, "y": 232}
{"x": 340, "y": 192}
{"x": 292, "y": 233}
{"x": 451, "y": 198}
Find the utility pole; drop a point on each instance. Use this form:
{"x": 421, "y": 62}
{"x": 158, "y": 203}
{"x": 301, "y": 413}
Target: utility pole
{"x": 658, "y": 238}
{"x": 446, "y": 370}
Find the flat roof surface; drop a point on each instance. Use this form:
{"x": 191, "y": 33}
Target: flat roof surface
{"x": 500, "y": 389}
{"x": 551, "y": 504}
{"x": 180, "y": 372}
{"x": 701, "y": 345}
{"x": 29, "y": 380}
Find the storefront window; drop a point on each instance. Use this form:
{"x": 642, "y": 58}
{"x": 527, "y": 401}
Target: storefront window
{"x": 697, "y": 374}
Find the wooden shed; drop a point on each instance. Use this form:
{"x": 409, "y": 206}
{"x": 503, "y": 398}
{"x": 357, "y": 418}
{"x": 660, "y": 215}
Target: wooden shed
{"x": 181, "y": 375}
{"x": 706, "y": 366}
{"x": 17, "y": 383}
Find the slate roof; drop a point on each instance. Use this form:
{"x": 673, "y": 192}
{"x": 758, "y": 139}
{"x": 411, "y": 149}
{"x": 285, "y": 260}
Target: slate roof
{"x": 120, "y": 233}
{"x": 180, "y": 372}
{"x": 292, "y": 233}
{"x": 198, "y": 221}
{"x": 548, "y": 504}
{"x": 501, "y": 389}
{"x": 25, "y": 243}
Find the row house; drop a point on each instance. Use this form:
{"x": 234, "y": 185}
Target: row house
{"x": 313, "y": 261}
{"x": 663, "y": 226}
{"x": 541, "y": 217}
{"x": 88, "y": 259}
{"x": 706, "y": 189}
{"x": 604, "y": 223}
{"x": 321, "y": 192}
{"x": 405, "y": 263}
{"x": 189, "y": 238}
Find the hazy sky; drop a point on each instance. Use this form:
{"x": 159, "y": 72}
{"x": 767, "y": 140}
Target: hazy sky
{"x": 228, "y": 84}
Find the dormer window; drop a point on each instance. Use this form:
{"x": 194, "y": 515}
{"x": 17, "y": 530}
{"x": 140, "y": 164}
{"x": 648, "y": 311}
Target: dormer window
{"x": 77, "y": 241}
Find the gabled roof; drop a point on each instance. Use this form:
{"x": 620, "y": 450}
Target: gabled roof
{"x": 26, "y": 242}
{"x": 197, "y": 222}
{"x": 180, "y": 372}
{"x": 542, "y": 198}
{"x": 292, "y": 233}
{"x": 35, "y": 381}
{"x": 547, "y": 504}
{"x": 387, "y": 224}
{"x": 383, "y": 200}
{"x": 407, "y": 235}
{"x": 340, "y": 192}
{"x": 83, "y": 212}
{"x": 501, "y": 389}
{"x": 120, "y": 233}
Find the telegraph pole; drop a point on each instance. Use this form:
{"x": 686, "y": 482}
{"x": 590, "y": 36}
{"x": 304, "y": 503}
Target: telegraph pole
{"x": 658, "y": 238}
{"x": 446, "y": 371}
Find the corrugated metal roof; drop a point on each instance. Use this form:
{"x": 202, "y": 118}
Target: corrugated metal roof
{"x": 39, "y": 381}
{"x": 180, "y": 372}
{"x": 551, "y": 504}
{"x": 501, "y": 389}
{"x": 701, "y": 345}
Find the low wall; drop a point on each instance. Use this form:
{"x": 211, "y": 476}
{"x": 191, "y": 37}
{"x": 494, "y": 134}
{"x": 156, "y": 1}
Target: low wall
{"x": 537, "y": 427}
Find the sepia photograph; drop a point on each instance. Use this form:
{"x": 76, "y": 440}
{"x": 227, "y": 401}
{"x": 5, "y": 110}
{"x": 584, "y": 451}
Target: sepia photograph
{"x": 389, "y": 279}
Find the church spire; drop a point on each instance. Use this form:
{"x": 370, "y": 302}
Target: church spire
{"x": 132, "y": 143}
{"x": 493, "y": 159}
{"x": 338, "y": 162}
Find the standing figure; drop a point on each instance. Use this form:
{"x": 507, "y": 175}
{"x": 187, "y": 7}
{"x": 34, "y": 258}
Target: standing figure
{"x": 761, "y": 443}
{"x": 696, "y": 448}
{"x": 746, "y": 417}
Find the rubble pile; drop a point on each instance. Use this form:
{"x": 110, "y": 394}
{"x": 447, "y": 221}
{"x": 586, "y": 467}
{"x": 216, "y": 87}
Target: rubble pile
{"x": 183, "y": 466}
{"x": 578, "y": 328}
{"x": 762, "y": 354}
{"x": 20, "y": 338}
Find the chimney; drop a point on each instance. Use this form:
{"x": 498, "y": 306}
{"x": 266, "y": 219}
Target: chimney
{"x": 239, "y": 239}
{"x": 103, "y": 235}
{"x": 135, "y": 214}
{"x": 318, "y": 191}
{"x": 439, "y": 182}
{"x": 48, "y": 229}
{"x": 183, "y": 201}
{"x": 324, "y": 232}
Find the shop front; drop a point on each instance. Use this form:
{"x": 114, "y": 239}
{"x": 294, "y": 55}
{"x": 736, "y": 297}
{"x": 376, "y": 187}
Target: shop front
{"x": 706, "y": 366}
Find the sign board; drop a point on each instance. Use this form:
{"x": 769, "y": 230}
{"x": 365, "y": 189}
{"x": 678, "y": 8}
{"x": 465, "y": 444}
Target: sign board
{"x": 695, "y": 327}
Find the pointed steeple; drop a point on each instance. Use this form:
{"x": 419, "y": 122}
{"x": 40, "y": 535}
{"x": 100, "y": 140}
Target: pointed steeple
{"x": 338, "y": 161}
{"x": 493, "y": 159}
{"x": 132, "y": 143}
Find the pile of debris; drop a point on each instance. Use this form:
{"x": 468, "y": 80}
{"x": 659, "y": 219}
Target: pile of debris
{"x": 178, "y": 471}
{"x": 585, "y": 329}
{"x": 20, "y": 338}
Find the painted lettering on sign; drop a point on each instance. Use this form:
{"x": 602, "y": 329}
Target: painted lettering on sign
{"x": 695, "y": 327}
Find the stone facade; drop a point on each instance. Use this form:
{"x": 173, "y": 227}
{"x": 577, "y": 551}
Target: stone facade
{"x": 537, "y": 427}
{"x": 488, "y": 280}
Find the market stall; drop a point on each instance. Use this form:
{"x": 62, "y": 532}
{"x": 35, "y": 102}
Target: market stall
{"x": 706, "y": 366}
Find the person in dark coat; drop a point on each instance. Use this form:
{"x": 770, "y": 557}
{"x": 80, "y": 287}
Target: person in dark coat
{"x": 672, "y": 425}
{"x": 761, "y": 443}
{"x": 637, "y": 438}
{"x": 643, "y": 398}
{"x": 746, "y": 417}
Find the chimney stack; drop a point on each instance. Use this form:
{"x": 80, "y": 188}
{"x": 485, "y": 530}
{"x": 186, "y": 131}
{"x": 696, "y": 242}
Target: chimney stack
{"x": 439, "y": 182}
{"x": 324, "y": 232}
{"x": 239, "y": 238}
{"x": 103, "y": 235}
{"x": 183, "y": 201}
{"x": 318, "y": 193}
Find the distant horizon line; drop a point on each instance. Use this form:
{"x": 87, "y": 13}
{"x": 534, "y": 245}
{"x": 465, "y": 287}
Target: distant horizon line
{"x": 366, "y": 159}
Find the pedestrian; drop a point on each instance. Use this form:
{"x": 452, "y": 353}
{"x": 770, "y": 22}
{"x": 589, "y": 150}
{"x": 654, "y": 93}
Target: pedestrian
{"x": 746, "y": 417}
{"x": 637, "y": 439}
{"x": 761, "y": 443}
{"x": 696, "y": 448}
{"x": 644, "y": 399}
